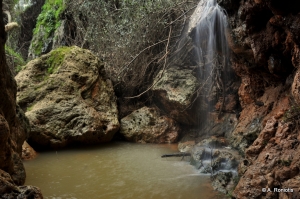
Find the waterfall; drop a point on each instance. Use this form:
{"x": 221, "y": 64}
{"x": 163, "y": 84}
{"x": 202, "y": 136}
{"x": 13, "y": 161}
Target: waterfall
{"x": 207, "y": 30}
{"x": 211, "y": 53}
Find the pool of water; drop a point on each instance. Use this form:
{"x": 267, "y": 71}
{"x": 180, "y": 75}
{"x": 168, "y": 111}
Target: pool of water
{"x": 117, "y": 170}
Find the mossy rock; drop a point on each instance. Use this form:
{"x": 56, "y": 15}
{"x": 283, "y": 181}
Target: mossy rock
{"x": 68, "y": 99}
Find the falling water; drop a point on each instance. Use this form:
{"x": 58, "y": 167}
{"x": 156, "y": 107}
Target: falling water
{"x": 208, "y": 31}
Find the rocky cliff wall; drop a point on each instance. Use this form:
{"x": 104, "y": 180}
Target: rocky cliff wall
{"x": 13, "y": 130}
{"x": 264, "y": 38}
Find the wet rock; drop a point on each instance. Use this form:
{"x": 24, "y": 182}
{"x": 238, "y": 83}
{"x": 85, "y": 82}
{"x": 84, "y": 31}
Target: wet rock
{"x": 187, "y": 143}
{"x": 242, "y": 168}
{"x": 212, "y": 155}
{"x": 68, "y": 99}
{"x": 9, "y": 190}
{"x": 265, "y": 135}
{"x": 174, "y": 92}
{"x": 221, "y": 180}
{"x": 28, "y": 153}
{"x": 213, "y": 141}
{"x": 219, "y": 126}
{"x": 146, "y": 125}
{"x": 224, "y": 160}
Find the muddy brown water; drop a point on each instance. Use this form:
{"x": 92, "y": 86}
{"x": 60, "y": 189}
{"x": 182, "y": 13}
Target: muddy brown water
{"x": 117, "y": 170}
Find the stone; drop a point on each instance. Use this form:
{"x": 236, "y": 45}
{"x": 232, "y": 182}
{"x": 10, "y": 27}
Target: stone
{"x": 186, "y": 145}
{"x": 28, "y": 153}
{"x": 9, "y": 190}
{"x": 219, "y": 126}
{"x": 212, "y": 155}
{"x": 221, "y": 180}
{"x": 174, "y": 93}
{"x": 146, "y": 125}
{"x": 40, "y": 38}
{"x": 68, "y": 99}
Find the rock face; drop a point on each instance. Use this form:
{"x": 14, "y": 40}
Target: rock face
{"x": 146, "y": 125}
{"x": 265, "y": 42}
{"x": 273, "y": 163}
{"x": 13, "y": 132}
{"x": 68, "y": 99}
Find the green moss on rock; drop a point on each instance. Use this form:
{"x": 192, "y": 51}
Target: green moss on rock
{"x": 56, "y": 58}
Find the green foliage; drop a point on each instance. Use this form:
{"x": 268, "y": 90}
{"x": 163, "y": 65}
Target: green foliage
{"x": 47, "y": 22}
{"x": 14, "y": 58}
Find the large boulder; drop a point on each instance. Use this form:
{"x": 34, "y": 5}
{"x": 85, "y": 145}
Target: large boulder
{"x": 147, "y": 125}
{"x": 68, "y": 99}
{"x": 175, "y": 92}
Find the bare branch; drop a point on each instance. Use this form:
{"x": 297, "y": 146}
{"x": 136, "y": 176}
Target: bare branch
{"x": 164, "y": 67}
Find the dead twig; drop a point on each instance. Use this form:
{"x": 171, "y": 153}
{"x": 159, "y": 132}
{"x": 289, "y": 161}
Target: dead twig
{"x": 168, "y": 39}
{"x": 182, "y": 15}
{"x": 164, "y": 67}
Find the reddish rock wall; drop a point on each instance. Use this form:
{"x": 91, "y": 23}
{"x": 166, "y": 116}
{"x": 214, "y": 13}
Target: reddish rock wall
{"x": 265, "y": 41}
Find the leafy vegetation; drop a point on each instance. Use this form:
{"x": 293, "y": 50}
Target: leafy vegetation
{"x": 15, "y": 60}
{"x": 47, "y": 22}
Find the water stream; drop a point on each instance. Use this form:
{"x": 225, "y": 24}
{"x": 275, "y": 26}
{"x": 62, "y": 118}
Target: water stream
{"x": 117, "y": 170}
